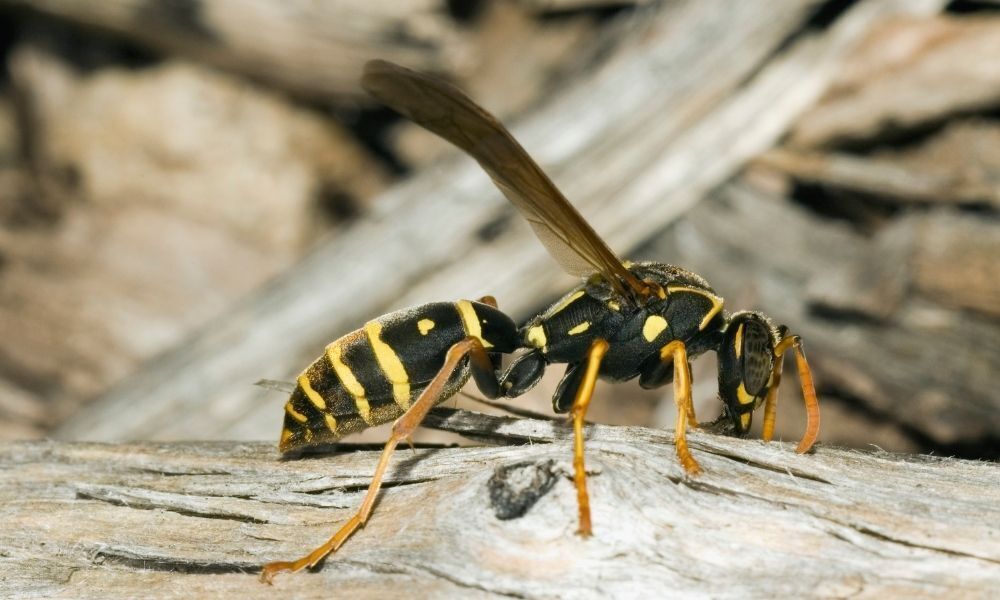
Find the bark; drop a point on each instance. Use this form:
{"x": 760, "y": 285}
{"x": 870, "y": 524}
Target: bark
{"x": 90, "y": 520}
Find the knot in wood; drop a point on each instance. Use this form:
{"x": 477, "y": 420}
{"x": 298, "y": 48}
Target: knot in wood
{"x": 515, "y": 488}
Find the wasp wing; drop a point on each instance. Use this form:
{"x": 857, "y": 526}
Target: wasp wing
{"x": 275, "y": 385}
{"x": 446, "y": 111}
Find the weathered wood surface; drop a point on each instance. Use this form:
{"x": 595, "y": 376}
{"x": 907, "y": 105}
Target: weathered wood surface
{"x": 915, "y": 74}
{"x": 311, "y": 48}
{"x": 89, "y": 520}
{"x": 666, "y": 139}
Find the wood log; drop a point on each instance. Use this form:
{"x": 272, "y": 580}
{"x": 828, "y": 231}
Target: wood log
{"x": 653, "y": 142}
{"x": 959, "y": 166}
{"x": 198, "y": 519}
{"x": 314, "y": 49}
{"x": 908, "y": 75}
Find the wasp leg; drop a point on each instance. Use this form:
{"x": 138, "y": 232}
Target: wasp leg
{"x": 676, "y": 351}
{"x": 808, "y": 394}
{"x": 584, "y": 393}
{"x": 401, "y": 430}
{"x": 657, "y": 371}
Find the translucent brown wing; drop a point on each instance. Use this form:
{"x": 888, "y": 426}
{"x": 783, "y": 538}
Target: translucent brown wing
{"x": 446, "y": 111}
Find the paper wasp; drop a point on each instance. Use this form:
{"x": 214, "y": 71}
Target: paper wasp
{"x": 644, "y": 320}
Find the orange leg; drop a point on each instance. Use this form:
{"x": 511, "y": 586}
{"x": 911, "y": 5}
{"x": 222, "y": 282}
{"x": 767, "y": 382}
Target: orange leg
{"x": 808, "y": 394}
{"x": 677, "y": 352}
{"x": 580, "y": 404}
{"x": 771, "y": 403}
{"x": 401, "y": 430}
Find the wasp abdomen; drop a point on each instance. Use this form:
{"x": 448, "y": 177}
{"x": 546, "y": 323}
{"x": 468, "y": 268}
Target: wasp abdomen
{"x": 372, "y": 375}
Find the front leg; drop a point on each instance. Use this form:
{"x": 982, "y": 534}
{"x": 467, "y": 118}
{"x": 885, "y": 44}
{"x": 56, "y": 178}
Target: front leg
{"x": 585, "y": 391}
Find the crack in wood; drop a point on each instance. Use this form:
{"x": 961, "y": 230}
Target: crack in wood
{"x": 143, "y": 504}
{"x": 157, "y": 563}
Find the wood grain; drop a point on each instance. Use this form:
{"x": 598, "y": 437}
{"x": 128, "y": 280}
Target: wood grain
{"x": 88, "y": 520}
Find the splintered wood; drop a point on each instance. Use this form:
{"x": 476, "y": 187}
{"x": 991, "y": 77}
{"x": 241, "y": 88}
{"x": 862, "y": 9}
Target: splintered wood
{"x": 198, "y": 520}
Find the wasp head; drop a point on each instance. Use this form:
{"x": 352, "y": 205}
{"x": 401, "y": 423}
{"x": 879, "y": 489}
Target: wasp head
{"x": 747, "y": 356}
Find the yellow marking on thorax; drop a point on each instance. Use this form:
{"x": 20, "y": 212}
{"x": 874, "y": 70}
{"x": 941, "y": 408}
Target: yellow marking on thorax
{"x": 614, "y": 305}
{"x": 390, "y": 364}
{"x": 563, "y": 304}
{"x": 425, "y": 325}
{"x": 331, "y": 423}
{"x": 654, "y": 326}
{"x": 579, "y": 328}
{"x": 739, "y": 340}
{"x": 715, "y": 300}
{"x": 301, "y": 418}
{"x": 743, "y": 395}
{"x": 312, "y": 394}
{"x": 351, "y": 383}
{"x": 536, "y": 337}
{"x": 470, "y": 321}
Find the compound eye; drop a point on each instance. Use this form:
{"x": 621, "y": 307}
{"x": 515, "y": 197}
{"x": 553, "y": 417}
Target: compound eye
{"x": 757, "y": 356}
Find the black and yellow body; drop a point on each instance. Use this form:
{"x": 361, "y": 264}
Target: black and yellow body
{"x": 625, "y": 321}
{"x": 685, "y": 308}
{"x": 372, "y": 376}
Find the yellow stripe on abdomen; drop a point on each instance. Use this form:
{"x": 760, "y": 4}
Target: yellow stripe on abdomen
{"x": 350, "y": 382}
{"x": 301, "y": 418}
{"x": 390, "y": 364}
{"x": 312, "y": 394}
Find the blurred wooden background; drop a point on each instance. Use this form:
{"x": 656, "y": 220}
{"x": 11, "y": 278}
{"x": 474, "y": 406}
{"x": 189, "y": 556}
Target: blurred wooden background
{"x": 195, "y": 195}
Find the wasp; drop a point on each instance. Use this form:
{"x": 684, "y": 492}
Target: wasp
{"x": 623, "y": 321}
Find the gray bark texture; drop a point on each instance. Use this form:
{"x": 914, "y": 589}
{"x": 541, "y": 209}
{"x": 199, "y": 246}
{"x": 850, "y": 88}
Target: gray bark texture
{"x": 91, "y": 520}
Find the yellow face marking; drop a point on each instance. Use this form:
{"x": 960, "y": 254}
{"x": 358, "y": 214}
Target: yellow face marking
{"x": 286, "y": 435}
{"x": 654, "y": 326}
{"x": 331, "y": 423}
{"x": 301, "y": 418}
{"x": 715, "y": 300}
{"x": 351, "y": 383}
{"x": 579, "y": 328}
{"x": 745, "y": 420}
{"x": 536, "y": 337}
{"x": 563, "y": 303}
{"x": 614, "y": 305}
{"x": 312, "y": 394}
{"x": 425, "y": 325}
{"x": 470, "y": 321}
{"x": 739, "y": 340}
{"x": 743, "y": 396}
{"x": 307, "y": 435}
{"x": 390, "y": 364}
